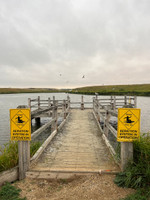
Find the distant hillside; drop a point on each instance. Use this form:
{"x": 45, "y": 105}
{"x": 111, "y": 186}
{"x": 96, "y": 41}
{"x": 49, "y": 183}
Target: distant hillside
{"x": 27, "y": 90}
{"x": 139, "y": 90}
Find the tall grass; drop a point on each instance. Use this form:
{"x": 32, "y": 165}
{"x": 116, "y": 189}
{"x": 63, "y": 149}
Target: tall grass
{"x": 9, "y": 154}
{"x": 137, "y": 174}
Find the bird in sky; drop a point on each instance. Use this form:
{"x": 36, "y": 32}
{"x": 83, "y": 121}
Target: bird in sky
{"x": 83, "y": 76}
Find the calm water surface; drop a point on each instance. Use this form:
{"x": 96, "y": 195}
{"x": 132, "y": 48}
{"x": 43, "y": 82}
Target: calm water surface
{"x": 8, "y": 101}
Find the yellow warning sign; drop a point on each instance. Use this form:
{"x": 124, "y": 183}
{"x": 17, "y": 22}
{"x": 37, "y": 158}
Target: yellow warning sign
{"x": 20, "y": 124}
{"x": 128, "y": 124}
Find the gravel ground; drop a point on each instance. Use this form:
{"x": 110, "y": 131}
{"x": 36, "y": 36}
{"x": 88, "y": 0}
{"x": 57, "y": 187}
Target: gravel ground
{"x": 92, "y": 187}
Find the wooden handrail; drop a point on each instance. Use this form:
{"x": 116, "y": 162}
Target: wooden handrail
{"x": 103, "y": 110}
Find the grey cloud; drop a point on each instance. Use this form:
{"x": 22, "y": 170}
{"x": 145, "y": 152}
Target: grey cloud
{"x": 101, "y": 39}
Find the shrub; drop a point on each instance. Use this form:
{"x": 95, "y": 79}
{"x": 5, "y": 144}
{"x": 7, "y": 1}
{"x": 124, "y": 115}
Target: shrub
{"x": 9, "y": 192}
{"x": 137, "y": 174}
{"x": 9, "y": 154}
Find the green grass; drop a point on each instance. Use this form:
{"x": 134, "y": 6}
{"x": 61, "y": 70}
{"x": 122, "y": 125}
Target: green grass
{"x": 137, "y": 174}
{"x": 9, "y": 192}
{"x": 9, "y": 154}
{"x": 27, "y": 90}
{"x": 140, "y": 194}
{"x": 138, "y": 90}
{"x": 34, "y": 147}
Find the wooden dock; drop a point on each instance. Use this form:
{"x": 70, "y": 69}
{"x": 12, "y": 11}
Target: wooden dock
{"x": 79, "y": 147}
{"x": 84, "y": 141}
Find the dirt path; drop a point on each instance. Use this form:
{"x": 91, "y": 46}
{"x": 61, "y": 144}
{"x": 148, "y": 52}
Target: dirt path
{"x": 95, "y": 187}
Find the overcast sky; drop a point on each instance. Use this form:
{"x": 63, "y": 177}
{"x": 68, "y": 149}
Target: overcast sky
{"x": 54, "y": 43}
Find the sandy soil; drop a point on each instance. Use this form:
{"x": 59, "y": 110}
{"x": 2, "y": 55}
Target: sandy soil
{"x": 92, "y": 187}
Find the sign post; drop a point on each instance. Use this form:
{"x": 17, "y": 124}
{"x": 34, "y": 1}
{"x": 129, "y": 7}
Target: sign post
{"x": 128, "y": 131}
{"x": 20, "y": 130}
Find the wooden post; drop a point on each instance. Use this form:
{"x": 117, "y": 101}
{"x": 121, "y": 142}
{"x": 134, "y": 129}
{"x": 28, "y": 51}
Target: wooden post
{"x": 106, "y": 129}
{"x": 23, "y": 155}
{"x": 82, "y": 103}
{"x": 96, "y": 95}
{"x": 29, "y": 103}
{"x": 111, "y": 102}
{"x": 38, "y": 121}
{"x": 67, "y": 103}
{"x": 68, "y": 100}
{"x": 98, "y": 112}
{"x": 135, "y": 101}
{"x": 49, "y": 105}
{"x": 94, "y": 104}
{"x": 126, "y": 154}
{"x": 49, "y": 102}
{"x": 38, "y": 102}
{"x": 64, "y": 108}
{"x": 97, "y": 106}
{"x": 114, "y": 105}
{"x": 125, "y": 100}
{"x": 24, "y": 158}
{"x": 53, "y": 99}
{"x": 54, "y": 114}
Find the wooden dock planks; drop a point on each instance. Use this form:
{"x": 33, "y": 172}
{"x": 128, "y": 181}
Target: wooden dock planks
{"x": 78, "y": 147}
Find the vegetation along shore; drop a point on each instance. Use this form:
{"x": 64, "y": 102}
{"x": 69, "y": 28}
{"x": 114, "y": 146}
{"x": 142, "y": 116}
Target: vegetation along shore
{"x": 138, "y": 90}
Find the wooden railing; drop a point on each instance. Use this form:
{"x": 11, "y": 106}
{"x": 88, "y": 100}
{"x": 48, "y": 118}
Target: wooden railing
{"x": 106, "y": 114}
{"x": 56, "y": 109}
{"x": 104, "y": 109}
{"x": 81, "y": 104}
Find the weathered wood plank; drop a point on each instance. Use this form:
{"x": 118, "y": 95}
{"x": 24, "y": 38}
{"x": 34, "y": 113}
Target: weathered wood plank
{"x": 41, "y": 129}
{"x": 63, "y": 174}
{"x": 44, "y": 145}
{"x": 80, "y": 146}
{"x": 113, "y": 131}
{"x": 9, "y": 175}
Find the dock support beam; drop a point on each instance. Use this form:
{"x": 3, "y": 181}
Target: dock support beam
{"x": 82, "y": 103}
{"x": 64, "y": 108}
{"x": 29, "y": 103}
{"x": 54, "y": 114}
{"x": 38, "y": 121}
{"x": 24, "y": 158}
{"x": 126, "y": 154}
{"x": 106, "y": 129}
{"x": 38, "y": 102}
{"x": 24, "y": 155}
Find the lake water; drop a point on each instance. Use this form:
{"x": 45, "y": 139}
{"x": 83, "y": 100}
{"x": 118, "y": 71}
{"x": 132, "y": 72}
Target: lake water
{"x": 9, "y": 101}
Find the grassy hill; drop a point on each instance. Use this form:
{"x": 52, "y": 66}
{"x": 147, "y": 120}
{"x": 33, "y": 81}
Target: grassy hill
{"x": 27, "y": 90}
{"x": 139, "y": 90}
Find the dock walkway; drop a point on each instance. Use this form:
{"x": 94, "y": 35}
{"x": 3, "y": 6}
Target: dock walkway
{"x": 77, "y": 147}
